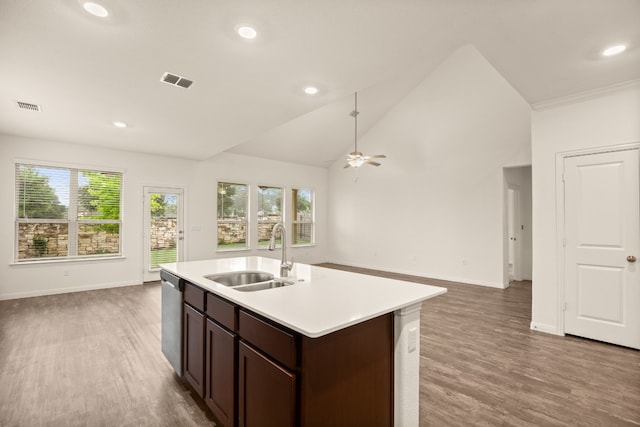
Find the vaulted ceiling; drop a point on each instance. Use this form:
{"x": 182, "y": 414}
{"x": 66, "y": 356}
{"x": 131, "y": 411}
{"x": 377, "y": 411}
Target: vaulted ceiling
{"x": 85, "y": 72}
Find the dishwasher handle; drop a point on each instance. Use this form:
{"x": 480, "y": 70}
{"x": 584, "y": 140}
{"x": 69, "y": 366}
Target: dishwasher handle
{"x": 172, "y": 280}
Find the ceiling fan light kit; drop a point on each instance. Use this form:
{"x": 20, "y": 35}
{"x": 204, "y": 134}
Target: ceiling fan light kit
{"x": 355, "y": 159}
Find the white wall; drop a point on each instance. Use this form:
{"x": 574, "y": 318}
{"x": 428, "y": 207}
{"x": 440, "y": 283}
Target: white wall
{"x": 254, "y": 171}
{"x": 199, "y": 180}
{"x": 607, "y": 120}
{"x": 435, "y": 206}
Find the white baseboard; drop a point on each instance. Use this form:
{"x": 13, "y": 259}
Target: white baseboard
{"x": 43, "y": 292}
{"x": 548, "y": 329}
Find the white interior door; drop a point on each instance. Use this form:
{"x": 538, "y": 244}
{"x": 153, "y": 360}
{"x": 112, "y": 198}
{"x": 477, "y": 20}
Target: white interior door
{"x": 602, "y": 235}
{"x": 163, "y": 229}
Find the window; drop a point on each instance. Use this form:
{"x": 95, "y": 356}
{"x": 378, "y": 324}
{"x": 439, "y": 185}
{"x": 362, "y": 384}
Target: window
{"x": 66, "y": 212}
{"x": 302, "y": 216}
{"x": 232, "y": 215}
{"x": 269, "y": 213}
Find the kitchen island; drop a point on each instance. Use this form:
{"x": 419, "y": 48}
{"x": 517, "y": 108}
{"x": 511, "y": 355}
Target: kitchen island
{"x": 332, "y": 335}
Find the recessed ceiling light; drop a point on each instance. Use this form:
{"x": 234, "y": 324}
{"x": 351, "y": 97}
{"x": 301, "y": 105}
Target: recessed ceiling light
{"x": 246, "y": 32}
{"x": 614, "y": 50}
{"x": 311, "y": 90}
{"x": 120, "y": 124}
{"x": 95, "y": 9}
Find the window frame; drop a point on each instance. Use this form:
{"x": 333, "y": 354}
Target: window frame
{"x": 72, "y": 221}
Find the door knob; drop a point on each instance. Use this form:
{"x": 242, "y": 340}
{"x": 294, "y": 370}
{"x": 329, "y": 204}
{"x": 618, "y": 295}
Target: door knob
{"x": 631, "y": 258}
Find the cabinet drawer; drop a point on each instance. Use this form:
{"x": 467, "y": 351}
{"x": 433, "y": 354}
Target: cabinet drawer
{"x": 194, "y": 296}
{"x": 277, "y": 343}
{"x": 222, "y": 312}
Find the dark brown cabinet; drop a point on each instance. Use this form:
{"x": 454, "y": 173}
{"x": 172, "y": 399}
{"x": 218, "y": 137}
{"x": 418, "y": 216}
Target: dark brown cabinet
{"x": 193, "y": 347}
{"x": 254, "y": 372}
{"x": 220, "y": 369}
{"x": 266, "y": 391}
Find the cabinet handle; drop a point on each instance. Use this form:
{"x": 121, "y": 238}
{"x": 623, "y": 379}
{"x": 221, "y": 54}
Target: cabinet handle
{"x": 631, "y": 258}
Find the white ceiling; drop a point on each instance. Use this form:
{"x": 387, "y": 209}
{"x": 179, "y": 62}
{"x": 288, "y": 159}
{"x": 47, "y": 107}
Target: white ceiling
{"x": 87, "y": 72}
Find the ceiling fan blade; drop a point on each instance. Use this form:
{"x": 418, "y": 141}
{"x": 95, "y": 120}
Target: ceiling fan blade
{"x": 377, "y": 156}
{"x": 371, "y": 162}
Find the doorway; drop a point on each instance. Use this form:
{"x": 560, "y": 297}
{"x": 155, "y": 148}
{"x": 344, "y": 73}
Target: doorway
{"x": 514, "y": 227}
{"x": 163, "y": 229}
{"x": 517, "y": 220}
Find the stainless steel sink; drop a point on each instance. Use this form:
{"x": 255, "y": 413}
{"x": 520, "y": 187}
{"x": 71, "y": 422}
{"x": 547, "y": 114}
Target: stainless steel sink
{"x": 239, "y": 278}
{"x": 250, "y": 281}
{"x": 269, "y": 284}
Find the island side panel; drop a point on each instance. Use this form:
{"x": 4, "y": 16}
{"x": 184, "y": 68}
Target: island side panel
{"x": 407, "y": 366}
{"x": 347, "y": 376}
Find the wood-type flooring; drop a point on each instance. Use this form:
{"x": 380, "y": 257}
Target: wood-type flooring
{"x": 93, "y": 359}
{"x": 482, "y": 365}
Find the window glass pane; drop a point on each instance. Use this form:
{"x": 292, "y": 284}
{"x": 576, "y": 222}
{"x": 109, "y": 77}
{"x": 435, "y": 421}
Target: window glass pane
{"x": 98, "y": 239}
{"x": 302, "y": 224}
{"x": 232, "y": 219}
{"x": 42, "y": 192}
{"x": 302, "y": 234}
{"x": 163, "y": 230}
{"x": 42, "y": 240}
{"x": 232, "y": 235}
{"x": 269, "y": 212}
{"x": 98, "y": 195}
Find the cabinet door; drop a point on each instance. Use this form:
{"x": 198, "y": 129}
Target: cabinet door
{"x": 266, "y": 391}
{"x": 193, "y": 346}
{"x": 220, "y": 379}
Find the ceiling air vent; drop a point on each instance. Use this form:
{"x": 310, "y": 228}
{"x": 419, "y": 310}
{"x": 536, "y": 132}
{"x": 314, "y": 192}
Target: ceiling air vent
{"x": 28, "y": 106}
{"x": 176, "y": 80}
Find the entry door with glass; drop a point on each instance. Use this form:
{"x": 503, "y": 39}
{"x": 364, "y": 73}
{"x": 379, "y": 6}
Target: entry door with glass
{"x": 163, "y": 234}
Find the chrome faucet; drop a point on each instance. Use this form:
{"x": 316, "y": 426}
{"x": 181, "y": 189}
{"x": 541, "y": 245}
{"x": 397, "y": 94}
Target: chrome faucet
{"x": 285, "y": 266}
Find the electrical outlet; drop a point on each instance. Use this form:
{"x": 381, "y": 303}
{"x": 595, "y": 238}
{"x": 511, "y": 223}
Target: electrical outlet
{"x": 413, "y": 339}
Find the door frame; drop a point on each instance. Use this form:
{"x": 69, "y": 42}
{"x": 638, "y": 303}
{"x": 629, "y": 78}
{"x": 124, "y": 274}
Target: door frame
{"x": 524, "y": 219}
{"x": 146, "y": 189}
{"x": 560, "y": 212}
{"x": 517, "y": 224}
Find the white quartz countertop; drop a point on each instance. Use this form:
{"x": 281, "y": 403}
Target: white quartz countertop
{"x": 322, "y": 301}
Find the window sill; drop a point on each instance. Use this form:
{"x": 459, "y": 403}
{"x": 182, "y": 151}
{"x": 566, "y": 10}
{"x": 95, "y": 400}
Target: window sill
{"x": 68, "y": 260}
{"x": 309, "y": 245}
{"x": 232, "y": 250}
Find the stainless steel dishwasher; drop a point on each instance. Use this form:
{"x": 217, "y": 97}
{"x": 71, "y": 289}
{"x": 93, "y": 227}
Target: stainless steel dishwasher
{"x": 172, "y": 287}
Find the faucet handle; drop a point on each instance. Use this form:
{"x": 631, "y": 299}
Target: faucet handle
{"x": 287, "y": 265}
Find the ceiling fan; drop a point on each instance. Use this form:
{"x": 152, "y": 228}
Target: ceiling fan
{"x": 355, "y": 159}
